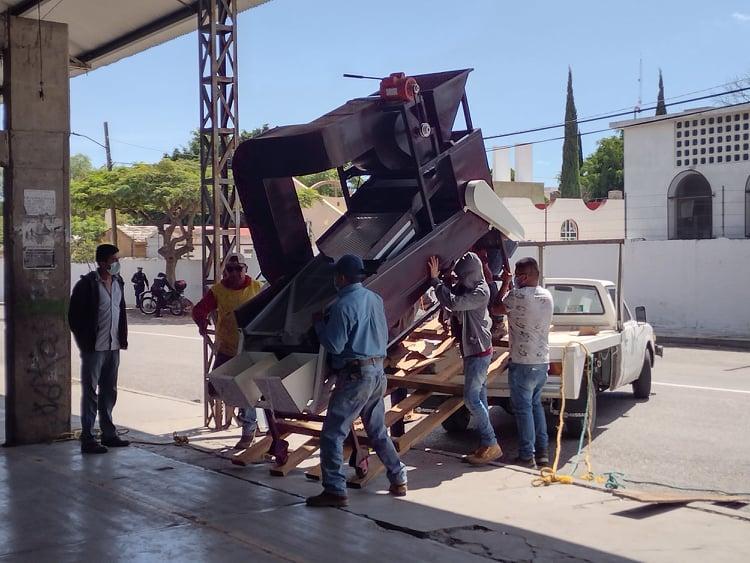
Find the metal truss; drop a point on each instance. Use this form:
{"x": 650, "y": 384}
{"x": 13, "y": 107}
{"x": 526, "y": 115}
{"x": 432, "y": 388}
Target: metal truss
{"x": 219, "y": 136}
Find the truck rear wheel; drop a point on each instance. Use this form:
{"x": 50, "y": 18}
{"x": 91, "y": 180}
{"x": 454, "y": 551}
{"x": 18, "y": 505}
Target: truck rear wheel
{"x": 642, "y": 385}
{"x": 458, "y": 421}
{"x": 573, "y": 426}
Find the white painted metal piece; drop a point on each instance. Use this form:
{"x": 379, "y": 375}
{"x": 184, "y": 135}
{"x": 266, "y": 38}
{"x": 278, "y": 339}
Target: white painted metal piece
{"x": 233, "y": 381}
{"x": 482, "y": 200}
{"x": 289, "y": 385}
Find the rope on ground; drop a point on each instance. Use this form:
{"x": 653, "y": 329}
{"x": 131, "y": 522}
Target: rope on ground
{"x": 548, "y": 475}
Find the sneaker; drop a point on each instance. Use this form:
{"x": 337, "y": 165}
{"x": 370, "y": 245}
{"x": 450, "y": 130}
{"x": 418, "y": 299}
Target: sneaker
{"x": 542, "y": 458}
{"x": 245, "y": 442}
{"x": 115, "y": 442}
{"x": 92, "y": 447}
{"x": 485, "y": 454}
{"x": 397, "y": 490}
{"x": 328, "y": 499}
{"x": 529, "y": 463}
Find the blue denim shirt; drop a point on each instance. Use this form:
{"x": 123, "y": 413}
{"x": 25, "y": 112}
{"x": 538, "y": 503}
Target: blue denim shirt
{"x": 355, "y": 327}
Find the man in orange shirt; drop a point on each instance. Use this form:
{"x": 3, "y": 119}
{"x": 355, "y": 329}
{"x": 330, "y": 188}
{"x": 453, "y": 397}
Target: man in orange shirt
{"x": 224, "y": 297}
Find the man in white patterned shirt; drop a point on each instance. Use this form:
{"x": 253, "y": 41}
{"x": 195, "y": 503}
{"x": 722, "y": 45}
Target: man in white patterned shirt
{"x": 529, "y": 309}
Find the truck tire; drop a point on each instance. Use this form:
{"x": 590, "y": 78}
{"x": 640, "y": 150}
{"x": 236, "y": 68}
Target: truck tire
{"x": 573, "y": 425}
{"x": 642, "y": 385}
{"x": 458, "y": 421}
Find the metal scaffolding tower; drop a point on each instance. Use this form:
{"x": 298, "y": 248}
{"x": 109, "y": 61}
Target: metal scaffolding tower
{"x": 219, "y": 136}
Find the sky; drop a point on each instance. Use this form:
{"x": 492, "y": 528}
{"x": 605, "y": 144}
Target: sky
{"x": 292, "y": 54}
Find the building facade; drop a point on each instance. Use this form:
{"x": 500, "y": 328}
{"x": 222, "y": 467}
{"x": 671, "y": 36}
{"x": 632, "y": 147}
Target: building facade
{"x": 687, "y": 175}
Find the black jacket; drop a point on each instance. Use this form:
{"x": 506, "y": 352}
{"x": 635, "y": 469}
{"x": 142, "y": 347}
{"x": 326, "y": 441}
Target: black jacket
{"x": 84, "y": 312}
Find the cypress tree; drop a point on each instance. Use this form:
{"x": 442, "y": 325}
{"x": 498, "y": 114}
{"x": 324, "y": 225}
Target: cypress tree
{"x": 661, "y": 108}
{"x": 570, "y": 181}
{"x": 580, "y": 151}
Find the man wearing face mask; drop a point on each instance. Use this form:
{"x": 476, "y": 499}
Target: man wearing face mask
{"x": 529, "y": 308}
{"x": 98, "y": 322}
{"x": 234, "y": 289}
{"x": 467, "y": 301}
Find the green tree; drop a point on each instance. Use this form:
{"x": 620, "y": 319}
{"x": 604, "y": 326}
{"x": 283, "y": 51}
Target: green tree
{"x": 192, "y": 151}
{"x": 661, "y": 108}
{"x": 326, "y": 182}
{"x": 87, "y": 231}
{"x": 165, "y": 194}
{"x": 603, "y": 169}
{"x": 80, "y": 166}
{"x": 569, "y": 176}
{"x": 307, "y": 196}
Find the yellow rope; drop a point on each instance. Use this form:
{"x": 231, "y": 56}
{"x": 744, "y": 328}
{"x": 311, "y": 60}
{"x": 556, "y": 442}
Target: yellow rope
{"x": 549, "y": 475}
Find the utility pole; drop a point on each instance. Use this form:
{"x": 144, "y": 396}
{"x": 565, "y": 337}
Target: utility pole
{"x": 112, "y": 210}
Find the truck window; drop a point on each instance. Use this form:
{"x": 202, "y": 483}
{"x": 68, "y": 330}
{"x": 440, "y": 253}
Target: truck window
{"x": 576, "y": 299}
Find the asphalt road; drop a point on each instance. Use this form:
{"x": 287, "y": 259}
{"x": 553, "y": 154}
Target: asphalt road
{"x": 693, "y": 431}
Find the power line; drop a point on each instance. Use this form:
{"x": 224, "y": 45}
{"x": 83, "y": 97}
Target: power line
{"x": 89, "y": 138}
{"x": 611, "y": 115}
{"x": 656, "y": 119}
{"x": 139, "y": 146}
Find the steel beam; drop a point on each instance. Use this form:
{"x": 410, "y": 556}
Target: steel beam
{"x": 219, "y": 136}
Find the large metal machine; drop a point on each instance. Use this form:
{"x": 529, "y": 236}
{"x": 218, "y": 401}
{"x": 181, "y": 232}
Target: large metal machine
{"x": 423, "y": 190}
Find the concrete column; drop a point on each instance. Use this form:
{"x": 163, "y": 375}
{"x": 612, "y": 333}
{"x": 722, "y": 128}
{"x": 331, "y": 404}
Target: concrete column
{"x": 37, "y": 230}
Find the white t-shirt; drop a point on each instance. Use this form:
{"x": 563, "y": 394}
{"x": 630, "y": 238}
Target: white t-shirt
{"x": 529, "y": 318}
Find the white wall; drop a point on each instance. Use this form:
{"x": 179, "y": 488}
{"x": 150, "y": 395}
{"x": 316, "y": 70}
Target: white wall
{"x": 605, "y": 222}
{"x": 689, "y": 288}
{"x": 650, "y": 167}
{"x": 188, "y": 270}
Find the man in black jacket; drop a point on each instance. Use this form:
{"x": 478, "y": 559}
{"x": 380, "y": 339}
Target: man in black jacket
{"x": 98, "y": 323}
{"x": 140, "y": 284}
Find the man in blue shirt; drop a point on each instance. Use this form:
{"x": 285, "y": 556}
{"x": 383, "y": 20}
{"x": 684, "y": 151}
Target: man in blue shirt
{"x": 355, "y": 334}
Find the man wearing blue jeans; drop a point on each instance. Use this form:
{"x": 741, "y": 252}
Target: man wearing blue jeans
{"x": 355, "y": 334}
{"x": 467, "y": 301}
{"x": 529, "y": 309}
{"x": 99, "y": 324}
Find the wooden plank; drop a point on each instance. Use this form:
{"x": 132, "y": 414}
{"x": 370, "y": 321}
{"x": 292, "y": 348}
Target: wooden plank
{"x": 296, "y": 457}
{"x": 665, "y": 497}
{"x": 255, "y": 453}
{"x": 412, "y": 436}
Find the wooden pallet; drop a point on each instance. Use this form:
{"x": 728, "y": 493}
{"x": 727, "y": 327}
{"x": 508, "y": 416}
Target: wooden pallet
{"x": 429, "y": 350}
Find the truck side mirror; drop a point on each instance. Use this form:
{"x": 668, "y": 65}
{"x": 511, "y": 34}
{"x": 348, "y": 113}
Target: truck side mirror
{"x": 640, "y": 314}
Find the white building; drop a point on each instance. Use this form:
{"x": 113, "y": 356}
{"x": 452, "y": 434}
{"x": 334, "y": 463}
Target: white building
{"x": 569, "y": 219}
{"x": 687, "y": 175}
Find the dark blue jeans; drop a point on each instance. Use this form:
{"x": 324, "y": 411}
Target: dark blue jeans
{"x": 526, "y": 383}
{"x": 357, "y": 394}
{"x": 98, "y": 370}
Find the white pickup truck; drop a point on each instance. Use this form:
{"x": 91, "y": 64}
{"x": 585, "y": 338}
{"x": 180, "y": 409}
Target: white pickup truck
{"x": 588, "y": 333}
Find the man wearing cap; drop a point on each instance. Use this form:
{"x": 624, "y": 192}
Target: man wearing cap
{"x": 355, "y": 334}
{"x": 224, "y": 297}
{"x": 140, "y": 283}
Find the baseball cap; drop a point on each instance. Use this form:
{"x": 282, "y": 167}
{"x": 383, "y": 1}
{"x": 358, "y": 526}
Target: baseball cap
{"x": 350, "y": 266}
{"x": 236, "y": 258}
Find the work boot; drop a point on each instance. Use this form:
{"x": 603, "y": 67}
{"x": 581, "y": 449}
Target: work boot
{"x": 115, "y": 442}
{"x": 328, "y": 499}
{"x": 529, "y": 463}
{"x": 397, "y": 490}
{"x": 92, "y": 447}
{"x": 485, "y": 454}
{"x": 542, "y": 458}
{"x": 245, "y": 442}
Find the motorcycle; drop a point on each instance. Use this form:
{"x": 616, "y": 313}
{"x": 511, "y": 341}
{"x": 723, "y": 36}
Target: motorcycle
{"x": 176, "y": 303}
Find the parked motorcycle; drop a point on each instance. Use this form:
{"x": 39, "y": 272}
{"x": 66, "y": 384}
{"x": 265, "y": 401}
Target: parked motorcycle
{"x": 174, "y": 300}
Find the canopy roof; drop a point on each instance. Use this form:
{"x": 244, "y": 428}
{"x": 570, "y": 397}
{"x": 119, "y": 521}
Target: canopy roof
{"x": 102, "y": 32}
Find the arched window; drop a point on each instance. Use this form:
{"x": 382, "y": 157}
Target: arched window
{"x": 569, "y": 230}
{"x": 690, "y": 207}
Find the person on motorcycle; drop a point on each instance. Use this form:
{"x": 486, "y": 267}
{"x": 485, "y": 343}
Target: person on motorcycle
{"x": 159, "y": 290}
{"x": 234, "y": 289}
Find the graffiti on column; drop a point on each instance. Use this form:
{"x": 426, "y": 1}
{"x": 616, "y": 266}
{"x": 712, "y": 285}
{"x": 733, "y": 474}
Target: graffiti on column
{"x": 44, "y": 370}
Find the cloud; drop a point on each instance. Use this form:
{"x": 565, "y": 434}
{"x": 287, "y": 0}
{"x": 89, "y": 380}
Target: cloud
{"x": 740, "y": 17}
